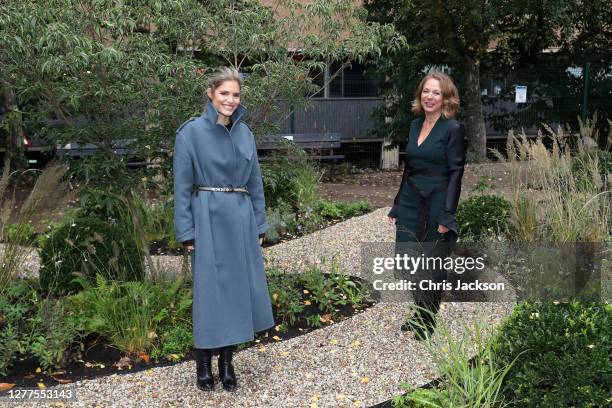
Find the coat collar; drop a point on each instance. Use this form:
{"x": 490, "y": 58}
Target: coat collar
{"x": 211, "y": 115}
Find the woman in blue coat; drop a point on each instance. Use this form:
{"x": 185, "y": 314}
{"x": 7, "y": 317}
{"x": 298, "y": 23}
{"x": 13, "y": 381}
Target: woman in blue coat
{"x": 220, "y": 217}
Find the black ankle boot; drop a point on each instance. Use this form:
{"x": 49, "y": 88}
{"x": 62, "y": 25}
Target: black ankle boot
{"x": 422, "y": 324}
{"x": 226, "y": 370}
{"x": 204, "y": 373}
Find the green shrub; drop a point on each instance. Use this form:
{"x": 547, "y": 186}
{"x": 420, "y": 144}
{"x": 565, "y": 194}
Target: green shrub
{"x": 20, "y": 234}
{"x": 53, "y": 334}
{"x": 566, "y": 359}
{"x": 583, "y": 167}
{"x": 14, "y": 307}
{"x": 470, "y": 373}
{"x": 131, "y": 314}
{"x": 341, "y": 210}
{"x": 482, "y": 215}
{"x": 87, "y": 246}
{"x": 285, "y": 297}
{"x": 292, "y": 179}
{"x": 281, "y": 221}
{"x": 178, "y": 341}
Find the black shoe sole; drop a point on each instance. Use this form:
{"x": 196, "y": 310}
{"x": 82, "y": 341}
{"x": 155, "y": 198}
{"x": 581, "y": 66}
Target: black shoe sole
{"x": 205, "y": 389}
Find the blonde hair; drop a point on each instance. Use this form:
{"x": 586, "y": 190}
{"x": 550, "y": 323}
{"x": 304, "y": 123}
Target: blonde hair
{"x": 222, "y": 75}
{"x": 450, "y": 95}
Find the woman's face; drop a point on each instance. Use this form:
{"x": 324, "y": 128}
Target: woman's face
{"x": 431, "y": 97}
{"x": 226, "y": 97}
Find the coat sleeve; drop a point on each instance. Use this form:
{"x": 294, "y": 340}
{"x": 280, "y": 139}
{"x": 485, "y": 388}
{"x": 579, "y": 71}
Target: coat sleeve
{"x": 183, "y": 184}
{"x": 455, "y": 155}
{"x": 256, "y": 192}
{"x": 395, "y": 209}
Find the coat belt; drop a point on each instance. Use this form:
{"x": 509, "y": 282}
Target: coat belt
{"x": 197, "y": 188}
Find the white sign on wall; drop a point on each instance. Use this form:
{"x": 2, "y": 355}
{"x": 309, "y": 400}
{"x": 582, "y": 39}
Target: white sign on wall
{"x": 521, "y": 94}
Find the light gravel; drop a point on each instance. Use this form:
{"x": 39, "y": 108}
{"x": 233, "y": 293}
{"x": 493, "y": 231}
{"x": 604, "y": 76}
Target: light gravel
{"x": 357, "y": 362}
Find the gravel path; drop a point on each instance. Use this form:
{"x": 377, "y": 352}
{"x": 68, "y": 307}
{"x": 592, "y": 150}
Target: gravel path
{"x": 358, "y": 362}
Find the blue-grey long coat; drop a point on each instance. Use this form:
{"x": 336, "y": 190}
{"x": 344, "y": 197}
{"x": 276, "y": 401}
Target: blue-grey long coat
{"x": 230, "y": 294}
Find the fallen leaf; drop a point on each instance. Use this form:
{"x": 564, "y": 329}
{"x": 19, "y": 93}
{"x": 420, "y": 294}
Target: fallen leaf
{"x": 6, "y": 386}
{"x": 365, "y": 380}
{"x": 277, "y": 338}
{"x": 41, "y": 385}
{"x": 61, "y": 380}
{"x": 143, "y": 356}
{"x": 285, "y": 353}
{"x": 306, "y": 291}
{"x": 334, "y": 341}
{"x": 39, "y": 370}
{"x": 59, "y": 372}
{"x": 277, "y": 328}
{"x": 356, "y": 343}
{"x": 262, "y": 349}
{"x": 326, "y": 318}
{"x": 124, "y": 362}
{"x": 307, "y": 302}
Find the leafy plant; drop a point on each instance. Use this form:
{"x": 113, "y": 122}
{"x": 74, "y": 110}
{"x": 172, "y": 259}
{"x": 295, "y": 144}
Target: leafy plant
{"x": 466, "y": 381}
{"x": 53, "y": 333}
{"x": 285, "y": 297}
{"x": 341, "y": 210}
{"x": 481, "y": 216}
{"x": 565, "y": 210}
{"x": 130, "y": 314}
{"x": 177, "y": 341}
{"x": 562, "y": 353}
{"x": 281, "y": 221}
{"x": 49, "y": 189}
{"x": 19, "y": 232}
{"x": 14, "y": 307}
{"x": 86, "y": 247}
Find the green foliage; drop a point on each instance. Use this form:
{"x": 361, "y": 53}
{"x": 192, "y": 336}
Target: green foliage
{"x": 281, "y": 221}
{"x": 341, "y": 210}
{"x": 178, "y": 341}
{"x": 130, "y": 314}
{"x": 19, "y": 233}
{"x": 285, "y": 297}
{"x": 86, "y": 247}
{"x": 584, "y": 165}
{"x": 14, "y": 307}
{"x": 466, "y": 381}
{"x": 333, "y": 291}
{"x": 289, "y": 293}
{"x": 100, "y": 72}
{"x": 53, "y": 333}
{"x": 481, "y": 216}
{"x": 562, "y": 354}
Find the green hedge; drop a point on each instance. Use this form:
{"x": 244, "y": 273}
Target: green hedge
{"x": 566, "y": 355}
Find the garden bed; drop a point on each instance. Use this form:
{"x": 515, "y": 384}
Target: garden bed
{"x": 96, "y": 358}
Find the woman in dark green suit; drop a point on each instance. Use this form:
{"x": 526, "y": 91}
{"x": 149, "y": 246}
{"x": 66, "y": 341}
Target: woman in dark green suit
{"x": 424, "y": 207}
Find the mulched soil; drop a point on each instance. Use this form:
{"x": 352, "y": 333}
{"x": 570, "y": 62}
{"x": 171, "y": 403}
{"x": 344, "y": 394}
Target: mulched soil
{"x": 99, "y": 359}
{"x": 379, "y": 187}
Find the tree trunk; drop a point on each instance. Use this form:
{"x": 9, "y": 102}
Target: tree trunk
{"x": 474, "y": 119}
{"x": 13, "y": 143}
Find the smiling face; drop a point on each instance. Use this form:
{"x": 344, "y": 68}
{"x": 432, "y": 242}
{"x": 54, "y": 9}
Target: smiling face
{"x": 431, "y": 97}
{"x": 225, "y": 98}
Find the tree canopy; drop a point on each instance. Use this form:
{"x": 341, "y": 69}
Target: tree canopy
{"x": 99, "y": 71}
